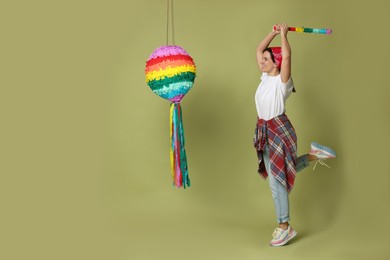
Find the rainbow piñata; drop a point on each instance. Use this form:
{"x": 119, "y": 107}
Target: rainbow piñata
{"x": 170, "y": 72}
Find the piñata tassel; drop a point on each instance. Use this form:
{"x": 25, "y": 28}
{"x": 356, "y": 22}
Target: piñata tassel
{"x": 171, "y": 131}
{"x": 178, "y": 154}
{"x": 183, "y": 156}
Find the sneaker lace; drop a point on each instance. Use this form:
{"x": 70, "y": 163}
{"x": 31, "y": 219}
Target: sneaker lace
{"x": 321, "y": 162}
{"x": 276, "y": 232}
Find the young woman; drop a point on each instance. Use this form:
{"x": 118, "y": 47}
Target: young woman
{"x": 275, "y": 139}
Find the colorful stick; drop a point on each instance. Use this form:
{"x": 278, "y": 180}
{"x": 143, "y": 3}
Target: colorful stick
{"x": 308, "y": 30}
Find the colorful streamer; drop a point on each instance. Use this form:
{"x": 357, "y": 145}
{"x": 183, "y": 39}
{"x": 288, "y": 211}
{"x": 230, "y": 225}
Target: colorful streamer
{"x": 178, "y": 154}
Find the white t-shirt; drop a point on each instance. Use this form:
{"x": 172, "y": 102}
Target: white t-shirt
{"x": 271, "y": 96}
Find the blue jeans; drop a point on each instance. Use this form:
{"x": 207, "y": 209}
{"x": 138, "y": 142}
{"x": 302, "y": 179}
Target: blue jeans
{"x": 279, "y": 192}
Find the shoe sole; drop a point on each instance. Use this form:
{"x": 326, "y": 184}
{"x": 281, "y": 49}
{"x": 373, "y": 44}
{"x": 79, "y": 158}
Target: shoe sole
{"x": 315, "y": 148}
{"x": 286, "y": 240}
{"x": 321, "y": 154}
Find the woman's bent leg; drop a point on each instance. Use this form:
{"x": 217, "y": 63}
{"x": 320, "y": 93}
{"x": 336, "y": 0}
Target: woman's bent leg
{"x": 302, "y": 163}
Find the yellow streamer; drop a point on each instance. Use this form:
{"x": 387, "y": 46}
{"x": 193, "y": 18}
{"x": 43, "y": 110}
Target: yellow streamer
{"x": 170, "y": 133}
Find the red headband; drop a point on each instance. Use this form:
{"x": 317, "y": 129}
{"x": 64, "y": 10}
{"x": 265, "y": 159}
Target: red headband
{"x": 277, "y": 52}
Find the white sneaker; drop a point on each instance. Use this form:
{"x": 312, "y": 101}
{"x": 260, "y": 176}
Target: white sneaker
{"x": 281, "y": 236}
{"x": 321, "y": 151}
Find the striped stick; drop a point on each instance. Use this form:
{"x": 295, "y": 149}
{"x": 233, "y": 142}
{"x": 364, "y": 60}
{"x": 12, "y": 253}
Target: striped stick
{"x": 308, "y": 30}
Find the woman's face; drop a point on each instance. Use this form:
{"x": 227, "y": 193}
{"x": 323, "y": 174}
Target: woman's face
{"x": 267, "y": 65}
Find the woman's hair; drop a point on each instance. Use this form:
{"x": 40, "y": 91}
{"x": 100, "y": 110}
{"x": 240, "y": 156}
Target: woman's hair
{"x": 271, "y": 53}
{"x": 269, "y": 49}
{"x": 276, "y": 55}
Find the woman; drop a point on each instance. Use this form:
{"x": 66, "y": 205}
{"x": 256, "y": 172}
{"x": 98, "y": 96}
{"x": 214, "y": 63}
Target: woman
{"x": 275, "y": 139}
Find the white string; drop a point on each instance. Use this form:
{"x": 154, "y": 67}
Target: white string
{"x": 321, "y": 162}
{"x": 172, "y": 22}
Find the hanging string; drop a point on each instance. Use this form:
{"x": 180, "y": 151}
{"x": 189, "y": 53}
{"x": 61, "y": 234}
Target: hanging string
{"x": 170, "y": 2}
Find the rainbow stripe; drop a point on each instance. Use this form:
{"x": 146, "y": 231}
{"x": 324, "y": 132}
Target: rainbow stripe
{"x": 170, "y": 72}
{"x": 310, "y": 30}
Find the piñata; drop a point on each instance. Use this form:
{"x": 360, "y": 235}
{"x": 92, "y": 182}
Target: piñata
{"x": 170, "y": 73}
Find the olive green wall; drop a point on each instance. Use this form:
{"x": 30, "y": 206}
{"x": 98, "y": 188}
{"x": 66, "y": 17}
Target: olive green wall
{"x": 86, "y": 171}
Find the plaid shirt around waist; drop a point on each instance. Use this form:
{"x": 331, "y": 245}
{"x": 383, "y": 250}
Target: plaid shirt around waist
{"x": 281, "y": 138}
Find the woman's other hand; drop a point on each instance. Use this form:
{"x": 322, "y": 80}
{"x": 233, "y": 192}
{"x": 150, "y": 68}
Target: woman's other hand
{"x": 283, "y": 28}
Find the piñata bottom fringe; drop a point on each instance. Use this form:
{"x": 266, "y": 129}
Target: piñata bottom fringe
{"x": 178, "y": 153}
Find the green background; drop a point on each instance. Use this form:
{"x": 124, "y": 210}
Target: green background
{"x": 85, "y": 168}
